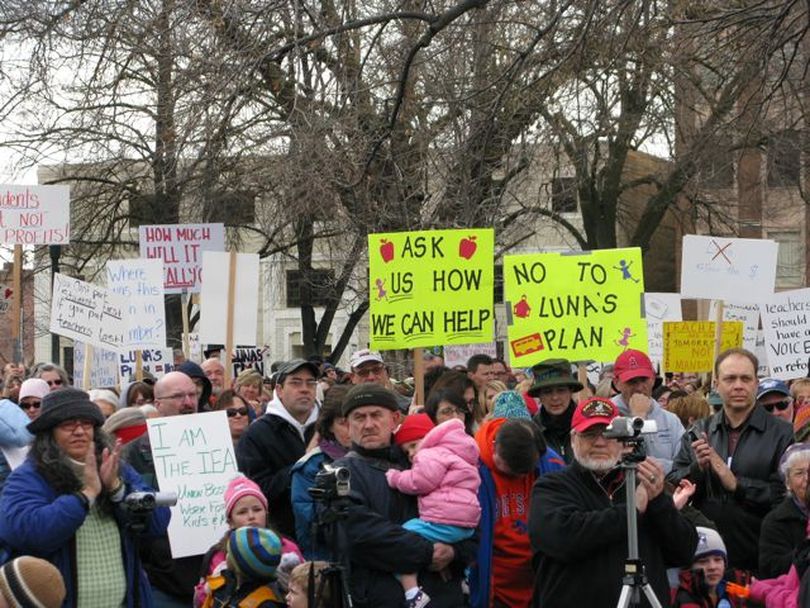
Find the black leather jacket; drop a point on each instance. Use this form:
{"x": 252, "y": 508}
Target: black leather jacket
{"x": 755, "y": 463}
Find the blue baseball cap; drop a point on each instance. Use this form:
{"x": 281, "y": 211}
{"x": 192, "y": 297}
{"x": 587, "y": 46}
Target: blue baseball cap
{"x": 772, "y": 385}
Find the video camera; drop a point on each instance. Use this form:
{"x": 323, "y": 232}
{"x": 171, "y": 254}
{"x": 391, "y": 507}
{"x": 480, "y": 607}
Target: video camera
{"x": 331, "y": 482}
{"x": 626, "y": 428}
{"x": 145, "y": 502}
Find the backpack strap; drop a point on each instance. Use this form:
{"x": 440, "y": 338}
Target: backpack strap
{"x": 260, "y": 595}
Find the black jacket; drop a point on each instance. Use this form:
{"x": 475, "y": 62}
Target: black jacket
{"x": 266, "y": 453}
{"x": 380, "y": 547}
{"x": 755, "y": 463}
{"x": 579, "y": 541}
{"x": 783, "y": 531}
{"x": 556, "y": 430}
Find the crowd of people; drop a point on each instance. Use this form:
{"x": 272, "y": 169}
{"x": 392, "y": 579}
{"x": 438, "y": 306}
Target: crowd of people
{"x": 503, "y": 489}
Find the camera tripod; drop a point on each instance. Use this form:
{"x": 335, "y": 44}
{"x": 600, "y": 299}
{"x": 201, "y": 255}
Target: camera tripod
{"x": 635, "y": 580}
{"x": 334, "y": 581}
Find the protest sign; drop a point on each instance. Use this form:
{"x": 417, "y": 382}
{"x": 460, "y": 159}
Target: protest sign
{"x": 689, "y": 345}
{"x": 35, "y": 215}
{"x": 103, "y": 369}
{"x": 248, "y": 358}
{"x": 194, "y": 457}
{"x": 786, "y": 326}
{"x": 740, "y": 270}
{"x": 458, "y": 354}
{"x": 140, "y": 281}
{"x": 156, "y": 361}
{"x": 180, "y": 246}
{"x": 760, "y": 350}
{"x": 582, "y": 306}
{"x": 660, "y": 307}
{"x": 431, "y": 288}
{"x": 748, "y": 314}
{"x": 87, "y": 313}
{"x": 214, "y": 295}
{"x": 195, "y": 347}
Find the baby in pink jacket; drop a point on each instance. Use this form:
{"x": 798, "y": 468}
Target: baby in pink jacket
{"x": 444, "y": 475}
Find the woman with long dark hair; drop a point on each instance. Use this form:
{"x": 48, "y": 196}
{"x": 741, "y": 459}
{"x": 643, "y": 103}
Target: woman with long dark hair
{"x": 65, "y": 504}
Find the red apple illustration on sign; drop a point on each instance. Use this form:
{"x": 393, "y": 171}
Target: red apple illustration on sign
{"x": 467, "y": 247}
{"x": 386, "y": 250}
{"x": 8, "y": 292}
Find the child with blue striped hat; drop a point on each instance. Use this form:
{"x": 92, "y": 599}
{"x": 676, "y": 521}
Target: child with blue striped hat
{"x": 253, "y": 556}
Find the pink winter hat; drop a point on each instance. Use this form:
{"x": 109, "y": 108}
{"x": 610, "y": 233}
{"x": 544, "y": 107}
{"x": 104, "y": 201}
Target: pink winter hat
{"x": 239, "y": 487}
{"x": 34, "y": 387}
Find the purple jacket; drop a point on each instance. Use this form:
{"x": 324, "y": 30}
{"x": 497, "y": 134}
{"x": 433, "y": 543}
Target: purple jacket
{"x": 445, "y": 477}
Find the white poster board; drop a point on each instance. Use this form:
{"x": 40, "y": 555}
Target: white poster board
{"x": 214, "y": 298}
{"x": 458, "y": 354}
{"x": 103, "y": 369}
{"x": 763, "y": 371}
{"x": 194, "y": 457}
{"x": 740, "y": 270}
{"x": 249, "y": 358}
{"x": 180, "y": 246}
{"x": 747, "y": 313}
{"x": 34, "y": 215}
{"x": 786, "y": 326}
{"x": 156, "y": 361}
{"x": 660, "y": 307}
{"x": 87, "y": 313}
{"x": 140, "y": 281}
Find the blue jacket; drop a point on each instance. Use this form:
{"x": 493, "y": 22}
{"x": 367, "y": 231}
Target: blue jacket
{"x": 35, "y": 520}
{"x": 481, "y": 571}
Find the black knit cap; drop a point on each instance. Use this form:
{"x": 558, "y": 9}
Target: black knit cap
{"x": 65, "y": 404}
{"x": 369, "y": 394}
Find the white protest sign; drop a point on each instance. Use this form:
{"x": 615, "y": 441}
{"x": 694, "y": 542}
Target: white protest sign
{"x": 660, "y": 307}
{"x": 747, "y": 313}
{"x": 180, "y": 246}
{"x": 87, "y": 313}
{"x": 140, "y": 281}
{"x": 458, "y": 354}
{"x": 103, "y": 369}
{"x": 194, "y": 457}
{"x": 156, "y": 361}
{"x": 740, "y": 270}
{"x": 214, "y": 297}
{"x": 34, "y": 215}
{"x": 760, "y": 351}
{"x": 786, "y": 326}
{"x": 248, "y": 358}
{"x": 195, "y": 347}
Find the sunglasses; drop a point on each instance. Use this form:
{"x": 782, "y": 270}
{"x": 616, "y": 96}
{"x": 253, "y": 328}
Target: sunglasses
{"x": 30, "y": 404}
{"x": 780, "y": 405}
{"x": 57, "y": 382}
{"x": 236, "y": 411}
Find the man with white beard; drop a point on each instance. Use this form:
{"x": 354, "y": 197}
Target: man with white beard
{"x": 578, "y": 521}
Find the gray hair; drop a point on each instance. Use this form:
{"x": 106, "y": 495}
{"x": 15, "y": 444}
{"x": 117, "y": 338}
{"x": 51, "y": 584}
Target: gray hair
{"x": 52, "y": 367}
{"x": 794, "y": 454}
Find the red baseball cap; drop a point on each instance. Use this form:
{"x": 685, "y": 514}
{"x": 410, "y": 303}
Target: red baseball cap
{"x": 593, "y": 411}
{"x": 633, "y": 364}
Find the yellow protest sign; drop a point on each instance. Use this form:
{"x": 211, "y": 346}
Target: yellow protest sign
{"x": 431, "y": 287}
{"x": 585, "y": 305}
{"x": 689, "y": 345}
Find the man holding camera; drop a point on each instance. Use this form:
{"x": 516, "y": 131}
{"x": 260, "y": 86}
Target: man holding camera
{"x": 733, "y": 458}
{"x": 379, "y": 546}
{"x": 578, "y": 520}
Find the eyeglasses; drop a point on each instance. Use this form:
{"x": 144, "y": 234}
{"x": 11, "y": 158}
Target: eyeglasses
{"x": 591, "y": 434}
{"x": 799, "y": 473}
{"x": 370, "y": 370}
{"x": 30, "y": 404}
{"x": 236, "y": 411}
{"x": 299, "y": 383}
{"x": 450, "y": 411}
{"x": 176, "y": 396}
{"x": 57, "y": 382}
{"x": 72, "y": 425}
{"x": 780, "y": 405}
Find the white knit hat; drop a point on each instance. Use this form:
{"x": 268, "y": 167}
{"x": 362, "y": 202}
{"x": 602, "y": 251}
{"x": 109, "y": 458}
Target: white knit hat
{"x": 710, "y": 543}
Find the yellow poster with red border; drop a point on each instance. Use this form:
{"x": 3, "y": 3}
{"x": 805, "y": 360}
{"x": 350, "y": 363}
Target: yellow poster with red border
{"x": 431, "y": 287}
{"x": 689, "y": 345}
{"x": 580, "y": 306}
